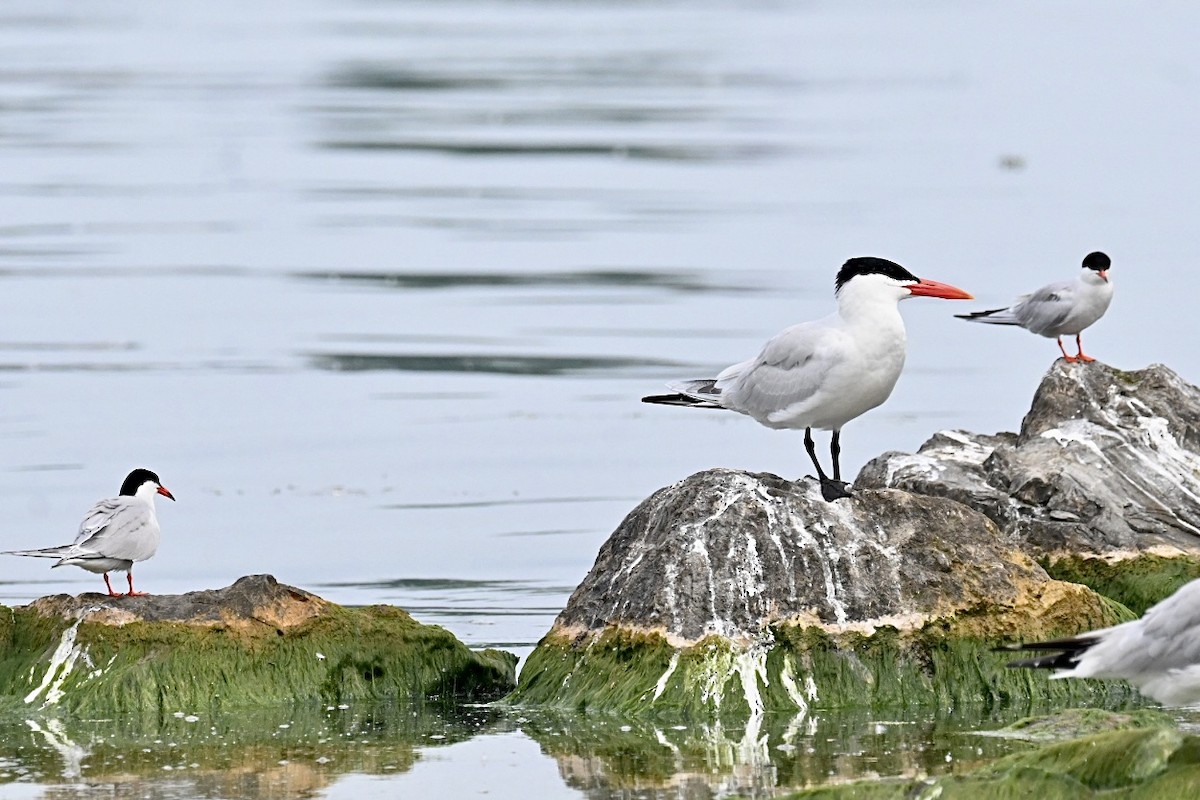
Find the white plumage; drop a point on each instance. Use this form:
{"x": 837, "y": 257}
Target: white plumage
{"x": 1060, "y": 309}
{"x": 115, "y": 533}
{"x": 824, "y": 373}
{"x": 1159, "y": 653}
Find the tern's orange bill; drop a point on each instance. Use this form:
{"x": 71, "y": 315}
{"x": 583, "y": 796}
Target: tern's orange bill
{"x": 924, "y": 288}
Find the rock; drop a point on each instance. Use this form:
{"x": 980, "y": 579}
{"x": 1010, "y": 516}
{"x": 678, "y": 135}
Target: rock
{"x": 1107, "y": 464}
{"x": 257, "y": 642}
{"x": 1149, "y": 761}
{"x": 247, "y": 605}
{"x": 1076, "y": 722}
{"x": 738, "y": 593}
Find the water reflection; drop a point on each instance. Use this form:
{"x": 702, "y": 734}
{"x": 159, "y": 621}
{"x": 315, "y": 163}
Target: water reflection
{"x": 296, "y": 752}
{"x": 610, "y": 758}
{"x": 307, "y": 751}
{"x": 501, "y": 364}
{"x": 681, "y": 281}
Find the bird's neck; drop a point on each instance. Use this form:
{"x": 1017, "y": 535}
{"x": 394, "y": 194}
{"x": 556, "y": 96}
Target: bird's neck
{"x": 146, "y": 495}
{"x": 870, "y": 310}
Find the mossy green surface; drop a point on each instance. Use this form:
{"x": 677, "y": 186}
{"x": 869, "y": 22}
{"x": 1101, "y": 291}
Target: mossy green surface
{"x": 941, "y": 665}
{"x": 1151, "y": 762}
{"x": 346, "y": 654}
{"x": 1136, "y": 583}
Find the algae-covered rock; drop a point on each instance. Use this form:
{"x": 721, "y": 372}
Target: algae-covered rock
{"x": 1106, "y": 464}
{"x": 733, "y": 593}
{"x": 256, "y": 642}
{"x": 1076, "y": 722}
{"x": 1151, "y": 761}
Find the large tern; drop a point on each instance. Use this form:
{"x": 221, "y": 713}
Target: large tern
{"x": 1059, "y": 309}
{"x": 1159, "y": 653}
{"x": 115, "y": 533}
{"x": 824, "y": 373}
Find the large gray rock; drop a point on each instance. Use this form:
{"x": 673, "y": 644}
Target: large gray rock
{"x": 1107, "y": 463}
{"x": 730, "y": 553}
{"x": 739, "y": 593}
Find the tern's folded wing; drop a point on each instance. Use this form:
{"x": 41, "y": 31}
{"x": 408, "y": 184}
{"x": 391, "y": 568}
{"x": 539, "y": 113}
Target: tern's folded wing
{"x": 790, "y": 369}
{"x": 1047, "y": 308}
{"x": 122, "y": 527}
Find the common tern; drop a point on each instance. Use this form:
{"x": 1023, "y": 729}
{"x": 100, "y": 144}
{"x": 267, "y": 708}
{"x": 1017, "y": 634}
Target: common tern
{"x": 824, "y": 373}
{"x": 114, "y": 533}
{"x": 1159, "y": 653}
{"x": 1059, "y": 309}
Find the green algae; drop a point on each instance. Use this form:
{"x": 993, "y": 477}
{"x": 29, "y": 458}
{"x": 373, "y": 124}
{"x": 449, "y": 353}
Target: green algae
{"x": 1076, "y": 722}
{"x": 1136, "y": 583}
{"x": 1151, "y": 760}
{"x": 804, "y": 667}
{"x": 347, "y": 654}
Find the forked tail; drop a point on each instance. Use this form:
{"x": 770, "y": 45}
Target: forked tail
{"x": 693, "y": 394}
{"x": 995, "y": 316}
{"x": 47, "y": 552}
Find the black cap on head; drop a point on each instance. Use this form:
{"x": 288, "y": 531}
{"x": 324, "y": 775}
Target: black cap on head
{"x": 869, "y": 265}
{"x": 135, "y": 479}
{"x": 1097, "y": 261}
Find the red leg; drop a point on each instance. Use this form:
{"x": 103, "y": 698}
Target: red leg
{"x": 107, "y": 583}
{"x": 132, "y": 593}
{"x": 1079, "y": 347}
{"x": 1067, "y": 358}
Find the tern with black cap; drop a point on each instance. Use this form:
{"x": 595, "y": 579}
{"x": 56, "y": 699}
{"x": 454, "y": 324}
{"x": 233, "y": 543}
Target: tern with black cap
{"x": 1060, "y": 309}
{"x": 115, "y": 533}
{"x": 824, "y": 373}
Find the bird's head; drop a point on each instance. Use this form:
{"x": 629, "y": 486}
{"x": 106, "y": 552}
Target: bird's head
{"x": 878, "y": 277}
{"x": 145, "y": 484}
{"x": 1096, "y": 266}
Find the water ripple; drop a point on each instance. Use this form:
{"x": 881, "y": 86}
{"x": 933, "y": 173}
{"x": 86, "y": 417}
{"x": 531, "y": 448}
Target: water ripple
{"x": 498, "y": 364}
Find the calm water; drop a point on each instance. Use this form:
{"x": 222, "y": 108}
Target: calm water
{"x": 375, "y": 286}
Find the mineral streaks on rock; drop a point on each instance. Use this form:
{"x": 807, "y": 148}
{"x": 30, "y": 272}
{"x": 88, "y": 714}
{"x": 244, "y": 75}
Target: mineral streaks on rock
{"x": 733, "y": 594}
{"x": 729, "y": 553}
{"x": 1106, "y": 462}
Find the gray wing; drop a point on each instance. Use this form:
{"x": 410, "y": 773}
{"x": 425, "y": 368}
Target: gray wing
{"x": 1166, "y": 638}
{"x": 790, "y": 369}
{"x": 122, "y": 527}
{"x": 97, "y": 518}
{"x": 1045, "y": 310}
{"x": 1171, "y": 629}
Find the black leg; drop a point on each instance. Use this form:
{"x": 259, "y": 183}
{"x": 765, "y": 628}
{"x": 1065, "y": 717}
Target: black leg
{"x": 811, "y": 447}
{"x": 835, "y": 449}
{"x": 831, "y": 488}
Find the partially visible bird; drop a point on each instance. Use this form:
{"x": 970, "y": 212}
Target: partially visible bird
{"x": 824, "y": 373}
{"x": 1059, "y": 309}
{"x": 114, "y": 533}
{"x": 1159, "y": 653}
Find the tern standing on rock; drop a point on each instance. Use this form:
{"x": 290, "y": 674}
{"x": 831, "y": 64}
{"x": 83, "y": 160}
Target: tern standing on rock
{"x": 1059, "y": 309}
{"x": 115, "y": 533}
{"x": 824, "y": 373}
{"x": 1159, "y": 653}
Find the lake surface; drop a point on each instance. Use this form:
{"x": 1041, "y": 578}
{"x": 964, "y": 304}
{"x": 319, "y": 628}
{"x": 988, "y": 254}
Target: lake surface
{"x": 375, "y": 286}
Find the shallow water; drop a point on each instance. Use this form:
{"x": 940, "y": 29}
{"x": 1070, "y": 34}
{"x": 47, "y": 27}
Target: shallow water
{"x": 363, "y": 750}
{"x": 376, "y": 286}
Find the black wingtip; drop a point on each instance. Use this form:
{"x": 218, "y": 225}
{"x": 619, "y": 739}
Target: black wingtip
{"x": 1060, "y": 653}
{"x": 671, "y": 400}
